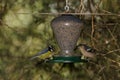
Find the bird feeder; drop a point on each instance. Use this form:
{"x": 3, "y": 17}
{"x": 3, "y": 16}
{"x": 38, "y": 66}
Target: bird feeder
{"x": 66, "y": 29}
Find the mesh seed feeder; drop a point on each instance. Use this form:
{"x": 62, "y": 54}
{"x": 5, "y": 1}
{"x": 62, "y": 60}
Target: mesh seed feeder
{"x": 66, "y": 29}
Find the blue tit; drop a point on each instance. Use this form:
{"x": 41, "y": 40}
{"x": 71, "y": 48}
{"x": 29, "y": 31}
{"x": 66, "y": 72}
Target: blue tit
{"x": 86, "y": 51}
{"x": 44, "y": 54}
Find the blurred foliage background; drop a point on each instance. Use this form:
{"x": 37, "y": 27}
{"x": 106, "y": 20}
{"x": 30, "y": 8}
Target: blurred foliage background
{"x": 24, "y": 32}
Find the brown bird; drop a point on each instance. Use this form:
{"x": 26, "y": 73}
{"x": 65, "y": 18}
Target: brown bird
{"x": 86, "y": 51}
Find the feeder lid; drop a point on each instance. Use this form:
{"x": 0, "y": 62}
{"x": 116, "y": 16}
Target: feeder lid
{"x": 68, "y": 59}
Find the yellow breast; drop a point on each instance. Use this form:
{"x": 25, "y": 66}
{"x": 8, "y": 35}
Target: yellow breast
{"x": 45, "y": 55}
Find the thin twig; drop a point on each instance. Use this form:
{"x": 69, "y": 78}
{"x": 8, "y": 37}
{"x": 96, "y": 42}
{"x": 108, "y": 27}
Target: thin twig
{"x": 115, "y": 27}
{"x": 107, "y": 24}
{"x": 92, "y": 37}
{"x": 113, "y": 61}
{"x": 101, "y": 70}
{"x": 113, "y": 37}
{"x": 97, "y": 5}
{"x": 113, "y": 51}
{"x": 93, "y": 31}
{"x": 103, "y": 14}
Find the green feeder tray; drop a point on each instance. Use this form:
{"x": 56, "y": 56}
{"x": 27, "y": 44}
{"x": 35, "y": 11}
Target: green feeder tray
{"x": 64, "y": 59}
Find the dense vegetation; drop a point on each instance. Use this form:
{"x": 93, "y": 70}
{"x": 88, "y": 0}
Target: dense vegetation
{"x": 24, "y": 32}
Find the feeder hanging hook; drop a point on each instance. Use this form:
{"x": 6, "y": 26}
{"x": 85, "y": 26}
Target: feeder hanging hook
{"x": 67, "y": 6}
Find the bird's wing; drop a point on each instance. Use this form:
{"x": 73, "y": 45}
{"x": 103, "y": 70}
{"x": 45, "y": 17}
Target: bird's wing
{"x": 40, "y": 53}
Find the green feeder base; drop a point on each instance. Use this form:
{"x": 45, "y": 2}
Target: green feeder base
{"x": 64, "y": 59}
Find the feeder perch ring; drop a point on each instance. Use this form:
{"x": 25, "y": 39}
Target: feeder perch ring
{"x": 68, "y": 59}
